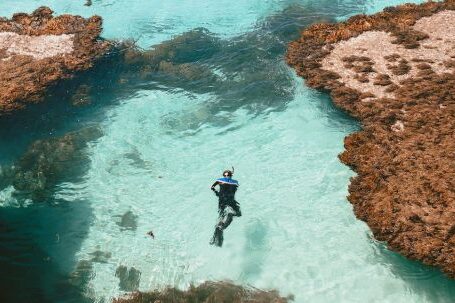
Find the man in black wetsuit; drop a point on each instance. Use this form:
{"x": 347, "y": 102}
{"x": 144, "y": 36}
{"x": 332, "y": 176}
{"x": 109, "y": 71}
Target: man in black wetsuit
{"x": 227, "y": 206}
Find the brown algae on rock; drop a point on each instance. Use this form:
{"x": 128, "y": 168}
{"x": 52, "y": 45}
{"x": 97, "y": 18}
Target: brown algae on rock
{"x": 404, "y": 156}
{"x": 37, "y": 50}
{"x": 206, "y": 293}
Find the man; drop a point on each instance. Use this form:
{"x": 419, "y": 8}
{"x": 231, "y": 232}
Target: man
{"x": 227, "y": 206}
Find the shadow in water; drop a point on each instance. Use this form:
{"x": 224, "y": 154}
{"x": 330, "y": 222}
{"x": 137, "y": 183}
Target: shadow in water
{"x": 430, "y": 283}
{"x": 254, "y": 252}
{"x": 337, "y": 118}
{"x": 37, "y": 246}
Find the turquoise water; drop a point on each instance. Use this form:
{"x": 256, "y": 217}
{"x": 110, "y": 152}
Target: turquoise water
{"x": 163, "y": 144}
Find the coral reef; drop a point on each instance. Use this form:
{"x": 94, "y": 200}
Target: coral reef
{"x": 403, "y": 93}
{"x": 37, "y": 50}
{"x": 206, "y": 293}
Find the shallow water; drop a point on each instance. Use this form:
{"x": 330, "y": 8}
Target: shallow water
{"x": 163, "y": 143}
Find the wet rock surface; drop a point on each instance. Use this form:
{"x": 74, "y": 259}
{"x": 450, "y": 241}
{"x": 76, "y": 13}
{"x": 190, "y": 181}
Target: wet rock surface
{"x": 38, "y": 49}
{"x": 206, "y": 292}
{"x": 403, "y": 93}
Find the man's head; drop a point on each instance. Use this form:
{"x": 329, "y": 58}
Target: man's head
{"x": 227, "y": 174}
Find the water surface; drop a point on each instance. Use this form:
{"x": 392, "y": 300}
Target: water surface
{"x": 165, "y": 140}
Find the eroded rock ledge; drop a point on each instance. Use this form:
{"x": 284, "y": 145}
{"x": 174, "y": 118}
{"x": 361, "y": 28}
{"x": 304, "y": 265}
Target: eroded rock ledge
{"x": 38, "y": 49}
{"x": 395, "y": 72}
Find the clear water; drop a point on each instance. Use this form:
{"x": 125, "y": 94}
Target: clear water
{"x": 163, "y": 145}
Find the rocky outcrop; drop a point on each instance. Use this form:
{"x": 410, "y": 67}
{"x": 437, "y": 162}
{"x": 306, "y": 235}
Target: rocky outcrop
{"x": 37, "y": 50}
{"x": 197, "y": 60}
{"x": 394, "y": 72}
{"x": 205, "y": 293}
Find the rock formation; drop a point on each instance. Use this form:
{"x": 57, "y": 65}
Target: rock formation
{"x": 205, "y": 293}
{"x": 191, "y": 61}
{"x": 394, "y": 71}
{"x": 37, "y": 50}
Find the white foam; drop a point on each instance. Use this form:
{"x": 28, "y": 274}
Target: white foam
{"x": 7, "y": 198}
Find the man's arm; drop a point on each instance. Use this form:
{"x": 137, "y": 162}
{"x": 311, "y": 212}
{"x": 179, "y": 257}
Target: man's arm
{"x": 214, "y": 184}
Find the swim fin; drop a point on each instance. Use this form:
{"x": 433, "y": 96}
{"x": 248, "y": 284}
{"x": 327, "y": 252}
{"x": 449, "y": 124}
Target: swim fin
{"x": 217, "y": 238}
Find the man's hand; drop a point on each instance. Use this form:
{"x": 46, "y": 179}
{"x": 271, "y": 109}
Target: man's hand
{"x": 212, "y": 188}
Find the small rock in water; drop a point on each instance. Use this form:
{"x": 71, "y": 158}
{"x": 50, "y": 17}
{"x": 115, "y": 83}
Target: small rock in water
{"x": 128, "y": 221}
{"x": 88, "y": 3}
{"x": 150, "y": 233}
{"x": 100, "y": 256}
{"x": 129, "y": 278}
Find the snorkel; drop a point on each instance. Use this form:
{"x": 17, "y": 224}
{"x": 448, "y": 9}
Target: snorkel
{"x": 228, "y": 172}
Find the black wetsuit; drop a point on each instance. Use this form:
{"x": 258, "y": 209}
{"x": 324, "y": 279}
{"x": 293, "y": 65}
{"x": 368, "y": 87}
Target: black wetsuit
{"x": 226, "y": 196}
{"x": 227, "y": 207}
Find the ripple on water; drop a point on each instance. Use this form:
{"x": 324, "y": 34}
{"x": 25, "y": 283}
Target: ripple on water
{"x": 402, "y": 267}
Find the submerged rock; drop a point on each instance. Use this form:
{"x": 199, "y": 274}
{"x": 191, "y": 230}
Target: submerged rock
{"x": 47, "y": 162}
{"x": 99, "y": 256}
{"x": 128, "y": 221}
{"x": 38, "y": 49}
{"x": 136, "y": 160}
{"x": 129, "y": 278}
{"x": 242, "y": 70}
{"x": 81, "y": 274}
{"x": 81, "y": 96}
{"x": 404, "y": 97}
{"x": 177, "y": 61}
{"x": 190, "y": 46}
{"x": 207, "y": 292}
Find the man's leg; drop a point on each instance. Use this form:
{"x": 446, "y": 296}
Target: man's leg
{"x": 224, "y": 220}
{"x": 236, "y": 207}
{"x": 217, "y": 238}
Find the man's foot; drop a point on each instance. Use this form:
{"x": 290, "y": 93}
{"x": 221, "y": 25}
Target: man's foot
{"x": 217, "y": 238}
